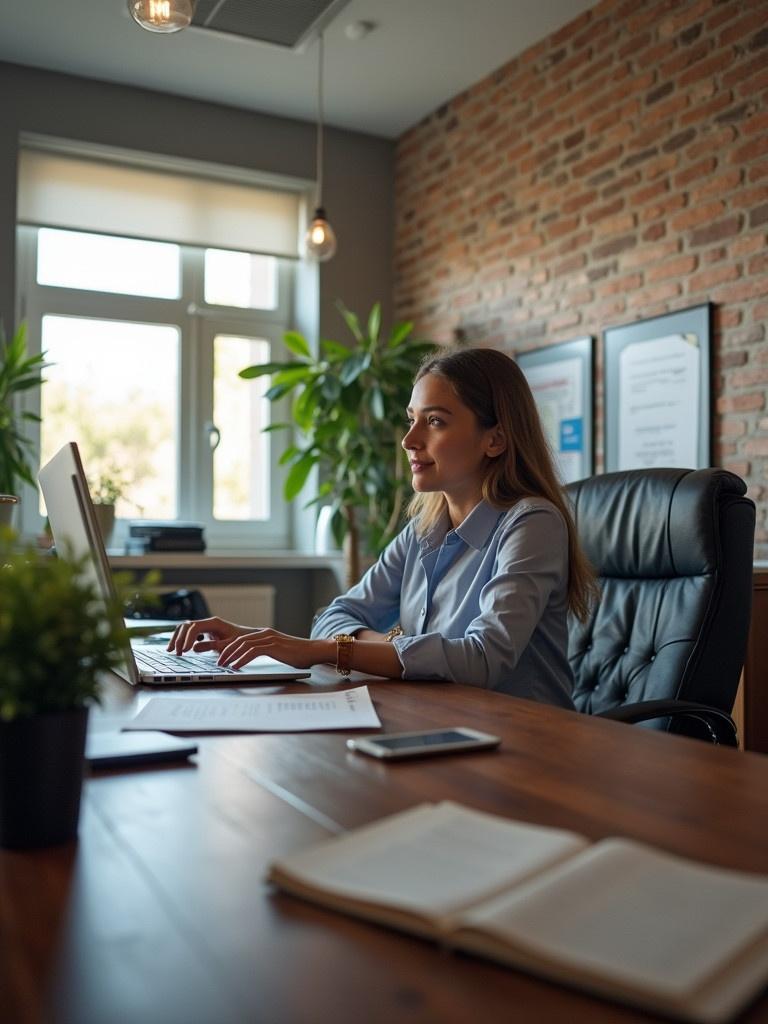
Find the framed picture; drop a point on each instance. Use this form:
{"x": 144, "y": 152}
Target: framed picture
{"x": 560, "y": 377}
{"x": 657, "y": 391}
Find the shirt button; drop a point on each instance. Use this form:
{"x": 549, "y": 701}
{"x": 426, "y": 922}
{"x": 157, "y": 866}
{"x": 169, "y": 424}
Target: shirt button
{"x": 423, "y": 611}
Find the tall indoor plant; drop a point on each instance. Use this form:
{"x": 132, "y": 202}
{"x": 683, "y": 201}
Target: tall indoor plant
{"x": 19, "y": 372}
{"x": 56, "y": 636}
{"x": 349, "y": 409}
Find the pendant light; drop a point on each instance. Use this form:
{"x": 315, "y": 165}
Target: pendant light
{"x": 162, "y": 15}
{"x": 320, "y": 240}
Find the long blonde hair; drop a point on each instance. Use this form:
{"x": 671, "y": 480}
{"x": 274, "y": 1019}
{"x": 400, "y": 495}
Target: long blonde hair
{"x": 494, "y": 388}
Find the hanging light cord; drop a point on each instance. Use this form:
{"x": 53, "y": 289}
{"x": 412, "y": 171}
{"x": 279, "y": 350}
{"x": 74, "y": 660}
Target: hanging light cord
{"x": 320, "y": 121}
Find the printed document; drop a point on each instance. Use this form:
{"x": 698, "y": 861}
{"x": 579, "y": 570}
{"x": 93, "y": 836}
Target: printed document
{"x": 294, "y": 712}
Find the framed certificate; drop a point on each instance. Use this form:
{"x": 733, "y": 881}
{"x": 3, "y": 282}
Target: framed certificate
{"x": 560, "y": 377}
{"x": 657, "y": 392}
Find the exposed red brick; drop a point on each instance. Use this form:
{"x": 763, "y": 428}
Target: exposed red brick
{"x": 673, "y": 268}
{"x": 577, "y": 202}
{"x": 741, "y": 403}
{"x": 580, "y": 185}
{"x": 698, "y": 170}
{"x": 718, "y": 185}
{"x": 742, "y": 291}
{"x": 662, "y": 209}
{"x": 733, "y": 428}
{"x": 726, "y": 317}
{"x": 754, "y": 148}
{"x": 717, "y": 232}
{"x": 614, "y": 225}
{"x": 740, "y": 467}
{"x": 743, "y": 27}
{"x": 697, "y": 215}
{"x": 711, "y": 140}
{"x": 709, "y": 278}
{"x": 658, "y": 294}
{"x": 654, "y": 232}
{"x": 650, "y": 254}
{"x": 756, "y": 124}
{"x": 730, "y": 359}
{"x": 619, "y": 285}
{"x": 758, "y": 264}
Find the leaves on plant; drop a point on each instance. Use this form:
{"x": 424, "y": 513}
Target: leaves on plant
{"x": 262, "y": 369}
{"x": 297, "y": 344}
{"x": 298, "y": 474}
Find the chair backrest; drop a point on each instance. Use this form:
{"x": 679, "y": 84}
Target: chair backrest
{"x": 673, "y": 550}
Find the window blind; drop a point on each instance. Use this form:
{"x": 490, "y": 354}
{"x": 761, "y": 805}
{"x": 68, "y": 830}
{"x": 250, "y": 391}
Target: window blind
{"x": 91, "y": 195}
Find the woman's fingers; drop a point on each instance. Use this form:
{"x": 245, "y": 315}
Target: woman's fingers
{"x": 186, "y": 633}
{"x": 244, "y": 649}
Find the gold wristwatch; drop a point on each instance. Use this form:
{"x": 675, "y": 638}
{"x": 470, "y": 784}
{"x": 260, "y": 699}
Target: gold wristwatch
{"x": 344, "y": 644}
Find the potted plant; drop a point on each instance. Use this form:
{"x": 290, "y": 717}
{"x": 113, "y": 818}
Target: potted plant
{"x": 18, "y": 372}
{"x": 350, "y": 413}
{"x": 56, "y": 637}
{"x": 106, "y": 488}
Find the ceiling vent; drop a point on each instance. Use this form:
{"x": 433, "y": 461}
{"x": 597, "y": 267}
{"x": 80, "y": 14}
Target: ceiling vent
{"x": 289, "y": 24}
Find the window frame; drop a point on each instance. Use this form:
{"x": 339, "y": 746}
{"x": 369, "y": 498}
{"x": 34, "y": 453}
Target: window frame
{"x": 198, "y": 323}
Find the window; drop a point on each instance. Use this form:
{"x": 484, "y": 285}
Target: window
{"x": 146, "y": 339}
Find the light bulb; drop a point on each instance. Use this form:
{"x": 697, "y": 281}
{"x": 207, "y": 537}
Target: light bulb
{"x": 320, "y": 240}
{"x": 162, "y": 15}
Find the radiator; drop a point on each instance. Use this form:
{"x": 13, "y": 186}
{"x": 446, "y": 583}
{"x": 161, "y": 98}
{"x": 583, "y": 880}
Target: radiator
{"x": 248, "y": 604}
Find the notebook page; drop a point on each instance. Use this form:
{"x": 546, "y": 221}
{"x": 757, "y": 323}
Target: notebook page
{"x": 431, "y": 860}
{"x": 630, "y": 914}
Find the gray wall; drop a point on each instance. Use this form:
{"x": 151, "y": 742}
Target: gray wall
{"x": 358, "y": 186}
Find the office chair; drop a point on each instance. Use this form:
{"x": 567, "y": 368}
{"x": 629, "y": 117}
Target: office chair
{"x": 665, "y": 645}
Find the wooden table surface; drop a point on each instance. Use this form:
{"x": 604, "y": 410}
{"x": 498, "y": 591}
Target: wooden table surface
{"x": 160, "y": 912}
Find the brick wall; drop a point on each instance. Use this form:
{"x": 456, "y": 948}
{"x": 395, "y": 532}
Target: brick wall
{"x": 616, "y": 170}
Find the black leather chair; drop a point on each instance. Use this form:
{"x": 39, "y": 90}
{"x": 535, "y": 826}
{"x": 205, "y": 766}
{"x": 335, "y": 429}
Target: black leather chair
{"x": 673, "y": 550}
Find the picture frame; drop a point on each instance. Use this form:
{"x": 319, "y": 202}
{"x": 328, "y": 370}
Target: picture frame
{"x": 561, "y": 380}
{"x": 657, "y": 391}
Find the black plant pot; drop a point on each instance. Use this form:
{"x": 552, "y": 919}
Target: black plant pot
{"x": 42, "y": 761}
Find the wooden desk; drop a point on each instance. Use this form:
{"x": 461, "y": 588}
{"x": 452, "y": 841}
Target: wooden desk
{"x": 752, "y": 700}
{"x": 160, "y": 912}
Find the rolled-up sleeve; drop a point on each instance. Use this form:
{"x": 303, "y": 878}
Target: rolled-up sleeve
{"x": 530, "y": 571}
{"x": 374, "y": 602}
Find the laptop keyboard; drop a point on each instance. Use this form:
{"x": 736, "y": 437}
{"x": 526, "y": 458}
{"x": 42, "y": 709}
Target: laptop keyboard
{"x": 158, "y": 661}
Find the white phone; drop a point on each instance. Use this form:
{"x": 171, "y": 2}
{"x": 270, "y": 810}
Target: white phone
{"x": 418, "y": 744}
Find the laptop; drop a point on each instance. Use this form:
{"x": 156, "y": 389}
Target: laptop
{"x": 73, "y": 523}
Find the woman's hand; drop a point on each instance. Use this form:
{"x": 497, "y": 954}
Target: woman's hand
{"x": 189, "y": 635}
{"x": 293, "y": 650}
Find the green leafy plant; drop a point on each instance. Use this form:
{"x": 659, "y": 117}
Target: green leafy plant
{"x": 56, "y": 632}
{"x": 18, "y": 372}
{"x": 349, "y": 407}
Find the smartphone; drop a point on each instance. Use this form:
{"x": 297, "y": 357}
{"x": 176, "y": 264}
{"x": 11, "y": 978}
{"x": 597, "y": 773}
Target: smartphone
{"x": 113, "y": 749}
{"x": 418, "y": 744}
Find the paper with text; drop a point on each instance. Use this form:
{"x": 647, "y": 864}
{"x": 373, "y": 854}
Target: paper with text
{"x": 345, "y": 709}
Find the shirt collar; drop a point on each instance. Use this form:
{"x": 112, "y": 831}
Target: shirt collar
{"x": 474, "y": 531}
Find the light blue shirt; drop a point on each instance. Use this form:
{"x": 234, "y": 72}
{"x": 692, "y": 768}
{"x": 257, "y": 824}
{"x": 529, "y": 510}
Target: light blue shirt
{"x": 484, "y": 604}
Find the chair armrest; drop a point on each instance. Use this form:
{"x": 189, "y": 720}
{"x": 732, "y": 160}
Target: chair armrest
{"x": 721, "y": 727}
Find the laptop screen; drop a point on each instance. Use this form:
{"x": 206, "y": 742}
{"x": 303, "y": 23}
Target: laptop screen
{"x": 74, "y": 527}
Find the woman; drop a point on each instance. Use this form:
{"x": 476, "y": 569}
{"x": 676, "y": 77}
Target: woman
{"x": 477, "y": 586}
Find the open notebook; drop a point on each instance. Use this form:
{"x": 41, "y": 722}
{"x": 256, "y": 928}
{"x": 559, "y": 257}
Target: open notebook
{"x": 73, "y": 523}
{"x": 617, "y": 917}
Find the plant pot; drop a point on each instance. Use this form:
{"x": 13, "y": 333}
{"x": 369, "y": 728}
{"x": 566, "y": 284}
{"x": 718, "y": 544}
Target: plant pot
{"x": 105, "y": 517}
{"x": 42, "y": 759}
{"x": 8, "y": 503}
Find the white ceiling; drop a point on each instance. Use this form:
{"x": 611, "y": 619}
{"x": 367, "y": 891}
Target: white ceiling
{"x": 422, "y": 53}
